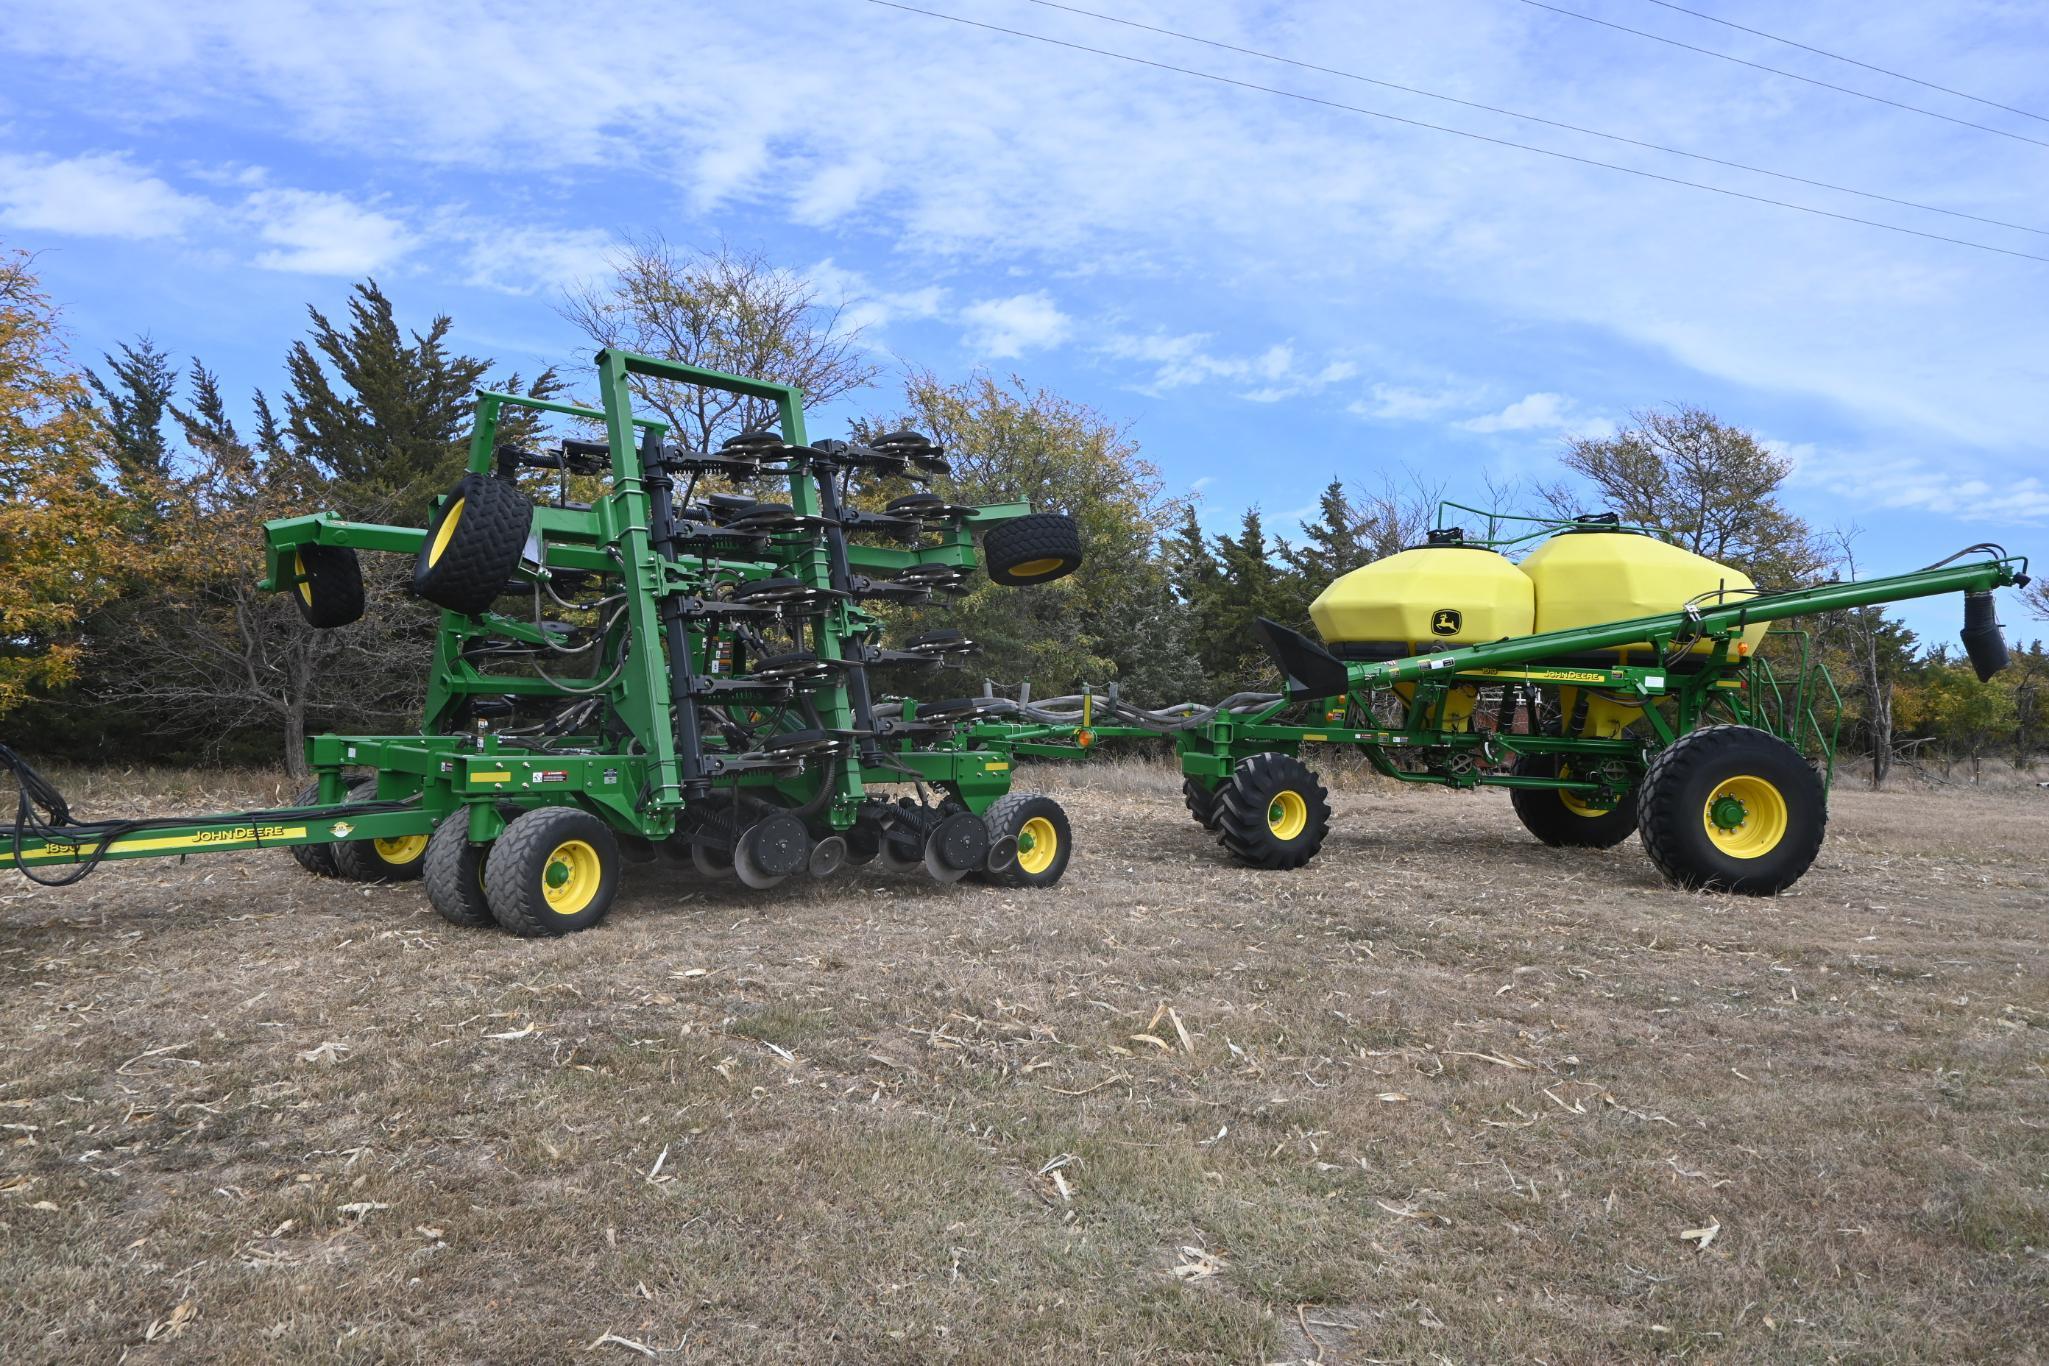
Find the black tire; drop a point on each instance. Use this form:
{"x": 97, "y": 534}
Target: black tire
{"x": 1561, "y": 819}
{"x": 1732, "y": 809}
{"x": 330, "y": 588}
{"x": 454, "y": 873}
{"x": 520, "y": 880}
{"x": 1037, "y": 548}
{"x": 399, "y": 859}
{"x": 473, "y": 544}
{"x": 317, "y": 859}
{"x": 1272, "y": 812}
{"x": 1201, "y": 802}
{"x": 1044, "y": 839}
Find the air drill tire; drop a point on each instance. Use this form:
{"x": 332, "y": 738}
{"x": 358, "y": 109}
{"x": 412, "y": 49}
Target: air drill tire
{"x": 1548, "y": 814}
{"x": 317, "y": 859}
{"x": 1272, "y": 812}
{"x": 473, "y": 545}
{"x": 1201, "y": 802}
{"x": 1039, "y": 828}
{"x": 454, "y": 874}
{"x": 400, "y": 859}
{"x": 1732, "y": 809}
{"x": 330, "y": 588}
{"x": 1037, "y": 548}
{"x": 554, "y": 870}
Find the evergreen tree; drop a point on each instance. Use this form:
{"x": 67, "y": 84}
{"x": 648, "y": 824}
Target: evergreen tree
{"x": 133, "y": 400}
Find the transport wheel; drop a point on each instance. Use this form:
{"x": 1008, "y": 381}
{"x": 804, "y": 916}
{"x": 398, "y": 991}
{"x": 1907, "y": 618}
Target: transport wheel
{"x": 330, "y": 591}
{"x": 473, "y": 545}
{"x": 1044, "y": 841}
{"x": 1201, "y": 802}
{"x": 317, "y": 859}
{"x": 399, "y": 859}
{"x": 1732, "y": 809}
{"x": 1037, "y": 548}
{"x": 1567, "y": 820}
{"x": 554, "y": 870}
{"x": 454, "y": 873}
{"x": 1272, "y": 812}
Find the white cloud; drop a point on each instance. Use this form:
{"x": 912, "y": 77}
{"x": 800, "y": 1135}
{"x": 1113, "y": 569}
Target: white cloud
{"x": 1400, "y": 403}
{"x": 100, "y": 194}
{"x": 1916, "y": 484}
{"x": 867, "y": 306}
{"x": 1184, "y": 359}
{"x": 517, "y": 260}
{"x": 1001, "y": 329}
{"x": 317, "y": 233}
{"x": 1540, "y": 413}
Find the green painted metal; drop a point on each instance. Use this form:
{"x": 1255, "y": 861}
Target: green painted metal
{"x": 664, "y": 746}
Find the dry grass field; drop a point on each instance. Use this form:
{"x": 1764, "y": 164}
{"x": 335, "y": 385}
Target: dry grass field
{"x": 1445, "y": 1095}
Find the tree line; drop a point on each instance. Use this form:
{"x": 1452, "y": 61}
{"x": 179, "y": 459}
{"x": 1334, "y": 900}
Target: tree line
{"x": 132, "y": 503}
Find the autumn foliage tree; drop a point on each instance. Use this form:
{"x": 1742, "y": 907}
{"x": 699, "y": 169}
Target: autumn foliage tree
{"x": 61, "y": 550}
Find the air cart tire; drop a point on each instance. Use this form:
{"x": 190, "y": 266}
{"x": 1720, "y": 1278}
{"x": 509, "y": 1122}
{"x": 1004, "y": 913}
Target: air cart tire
{"x": 330, "y": 588}
{"x": 1044, "y": 841}
{"x": 317, "y": 859}
{"x": 1567, "y": 820}
{"x": 454, "y": 874}
{"x": 555, "y": 870}
{"x": 473, "y": 545}
{"x": 1732, "y": 809}
{"x": 1201, "y": 802}
{"x": 1037, "y": 548}
{"x": 1272, "y": 812}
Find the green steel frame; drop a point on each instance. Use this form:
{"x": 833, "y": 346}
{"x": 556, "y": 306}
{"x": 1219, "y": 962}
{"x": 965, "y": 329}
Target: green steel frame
{"x": 643, "y": 784}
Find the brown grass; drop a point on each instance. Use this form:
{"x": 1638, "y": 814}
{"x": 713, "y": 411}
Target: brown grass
{"x": 1444, "y": 1095}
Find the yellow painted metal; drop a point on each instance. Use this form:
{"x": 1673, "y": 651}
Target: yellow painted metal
{"x": 1426, "y": 597}
{"x": 1607, "y": 718}
{"x": 1745, "y": 816}
{"x": 1288, "y": 815}
{"x": 1032, "y": 569}
{"x": 1458, "y": 706}
{"x": 305, "y": 585}
{"x": 400, "y": 849}
{"x": 444, "y": 534}
{"x": 204, "y": 839}
{"x": 1591, "y": 578}
{"x": 1037, "y": 845}
{"x": 571, "y": 877}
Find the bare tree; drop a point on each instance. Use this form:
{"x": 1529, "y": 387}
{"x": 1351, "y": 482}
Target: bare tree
{"x": 2036, "y": 596}
{"x": 1713, "y": 488}
{"x": 722, "y": 310}
{"x": 1879, "y": 649}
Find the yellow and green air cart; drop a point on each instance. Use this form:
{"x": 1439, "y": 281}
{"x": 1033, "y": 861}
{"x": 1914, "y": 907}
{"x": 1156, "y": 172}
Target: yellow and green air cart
{"x": 1614, "y": 683}
{"x": 645, "y": 652}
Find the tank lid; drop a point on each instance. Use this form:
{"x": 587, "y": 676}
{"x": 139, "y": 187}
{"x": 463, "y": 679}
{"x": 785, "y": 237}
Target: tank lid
{"x": 1606, "y": 522}
{"x": 1447, "y": 538}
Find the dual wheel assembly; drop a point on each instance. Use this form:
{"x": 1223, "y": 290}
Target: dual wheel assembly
{"x": 1723, "y": 808}
{"x": 556, "y": 869}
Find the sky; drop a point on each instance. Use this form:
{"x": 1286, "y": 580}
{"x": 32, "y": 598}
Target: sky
{"x": 1268, "y": 289}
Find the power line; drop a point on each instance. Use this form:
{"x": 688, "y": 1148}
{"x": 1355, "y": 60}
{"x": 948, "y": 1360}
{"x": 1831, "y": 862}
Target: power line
{"x": 1789, "y": 75}
{"x": 1837, "y": 56}
{"x": 1538, "y": 118}
{"x": 1457, "y": 132}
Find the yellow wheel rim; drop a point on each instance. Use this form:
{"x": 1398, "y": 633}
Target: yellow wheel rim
{"x": 571, "y": 877}
{"x": 1031, "y": 569}
{"x": 1745, "y": 816}
{"x": 1038, "y": 844}
{"x": 444, "y": 533}
{"x": 1576, "y": 802}
{"x": 402, "y": 849}
{"x": 1287, "y": 816}
{"x": 305, "y": 584}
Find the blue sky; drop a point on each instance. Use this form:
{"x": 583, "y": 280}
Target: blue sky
{"x": 1268, "y": 292}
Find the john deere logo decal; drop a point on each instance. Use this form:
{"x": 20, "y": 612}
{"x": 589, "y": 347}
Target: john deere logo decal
{"x": 1446, "y": 622}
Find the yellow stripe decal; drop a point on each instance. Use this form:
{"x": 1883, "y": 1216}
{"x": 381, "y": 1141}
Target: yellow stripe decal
{"x": 205, "y": 839}
{"x": 1316, "y": 737}
{"x": 495, "y": 776}
{"x": 996, "y": 768}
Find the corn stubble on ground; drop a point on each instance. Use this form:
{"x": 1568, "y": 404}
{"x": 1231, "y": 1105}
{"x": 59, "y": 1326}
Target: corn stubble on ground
{"x": 1444, "y": 1095}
